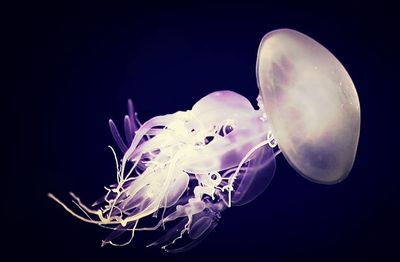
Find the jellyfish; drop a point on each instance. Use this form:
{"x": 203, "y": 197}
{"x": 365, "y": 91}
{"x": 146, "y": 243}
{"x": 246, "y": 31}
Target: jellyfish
{"x": 178, "y": 172}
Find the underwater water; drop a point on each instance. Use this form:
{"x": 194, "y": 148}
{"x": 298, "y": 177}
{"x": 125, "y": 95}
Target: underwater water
{"x": 81, "y": 64}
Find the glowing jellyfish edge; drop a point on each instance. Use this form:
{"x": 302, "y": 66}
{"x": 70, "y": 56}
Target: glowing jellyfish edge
{"x": 180, "y": 171}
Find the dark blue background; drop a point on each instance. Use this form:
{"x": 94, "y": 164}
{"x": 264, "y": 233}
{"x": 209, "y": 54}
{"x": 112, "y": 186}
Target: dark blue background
{"x": 78, "y": 64}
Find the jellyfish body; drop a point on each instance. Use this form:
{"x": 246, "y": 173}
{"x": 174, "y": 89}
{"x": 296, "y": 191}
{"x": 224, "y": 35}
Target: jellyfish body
{"x": 179, "y": 171}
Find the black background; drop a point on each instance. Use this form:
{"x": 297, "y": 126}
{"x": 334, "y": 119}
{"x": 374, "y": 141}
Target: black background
{"x": 77, "y": 64}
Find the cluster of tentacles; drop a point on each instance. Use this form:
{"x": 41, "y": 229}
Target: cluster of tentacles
{"x": 178, "y": 173}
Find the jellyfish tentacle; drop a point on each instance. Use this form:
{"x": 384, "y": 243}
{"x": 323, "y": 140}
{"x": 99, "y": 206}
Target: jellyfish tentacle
{"x": 117, "y": 137}
{"x": 130, "y": 127}
{"x": 133, "y": 118}
{"x": 232, "y": 179}
{"x": 119, "y": 231}
{"x": 155, "y": 203}
{"x": 177, "y": 168}
{"x": 138, "y": 185}
{"x": 199, "y": 230}
{"x": 197, "y": 222}
{"x": 128, "y": 130}
{"x": 141, "y": 132}
{"x": 172, "y": 233}
{"x": 256, "y": 176}
{"x": 50, "y": 195}
{"x": 187, "y": 211}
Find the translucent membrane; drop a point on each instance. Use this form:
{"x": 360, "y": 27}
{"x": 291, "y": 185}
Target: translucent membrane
{"x": 311, "y": 103}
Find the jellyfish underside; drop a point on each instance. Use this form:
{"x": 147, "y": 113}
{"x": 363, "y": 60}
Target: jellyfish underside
{"x": 179, "y": 171}
{"x": 184, "y": 169}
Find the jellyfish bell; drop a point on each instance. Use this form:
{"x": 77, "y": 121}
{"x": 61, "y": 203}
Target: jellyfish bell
{"x": 312, "y": 105}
